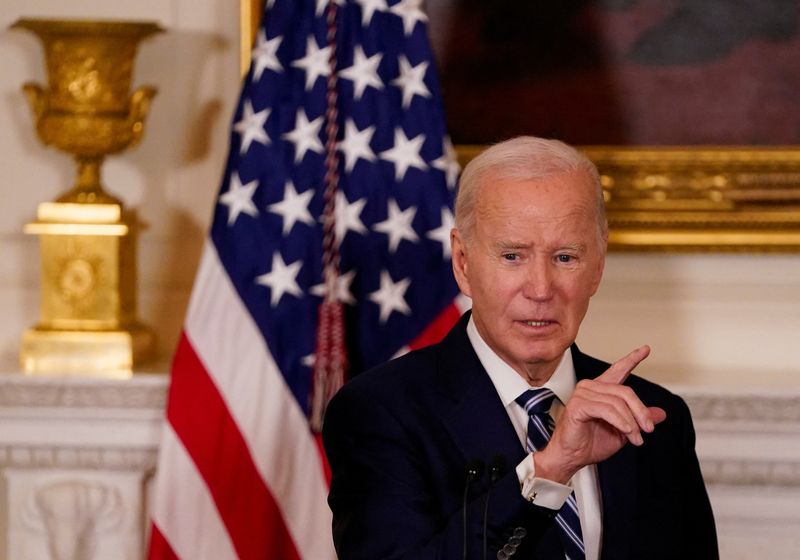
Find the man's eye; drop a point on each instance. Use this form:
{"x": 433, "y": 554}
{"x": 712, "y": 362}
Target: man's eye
{"x": 511, "y": 257}
{"x": 565, "y": 258}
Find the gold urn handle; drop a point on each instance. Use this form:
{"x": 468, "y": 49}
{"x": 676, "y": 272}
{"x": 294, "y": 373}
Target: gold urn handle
{"x": 139, "y": 108}
{"x": 36, "y": 99}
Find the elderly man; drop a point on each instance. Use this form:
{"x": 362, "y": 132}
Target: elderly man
{"x": 504, "y": 440}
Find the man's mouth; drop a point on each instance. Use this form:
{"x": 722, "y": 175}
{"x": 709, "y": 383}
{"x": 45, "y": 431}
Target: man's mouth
{"x": 538, "y": 323}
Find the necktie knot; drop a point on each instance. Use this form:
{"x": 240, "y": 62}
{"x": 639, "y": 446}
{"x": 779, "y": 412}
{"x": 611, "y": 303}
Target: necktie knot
{"x": 536, "y": 401}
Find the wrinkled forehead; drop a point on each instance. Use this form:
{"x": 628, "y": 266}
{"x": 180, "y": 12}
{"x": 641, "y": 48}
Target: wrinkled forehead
{"x": 566, "y": 189}
{"x": 567, "y": 198}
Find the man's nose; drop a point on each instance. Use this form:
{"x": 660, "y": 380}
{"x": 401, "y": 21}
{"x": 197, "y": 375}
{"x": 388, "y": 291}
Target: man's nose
{"x": 539, "y": 282}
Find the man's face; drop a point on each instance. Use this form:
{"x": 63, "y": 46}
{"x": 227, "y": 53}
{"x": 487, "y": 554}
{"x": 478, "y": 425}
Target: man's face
{"x": 533, "y": 261}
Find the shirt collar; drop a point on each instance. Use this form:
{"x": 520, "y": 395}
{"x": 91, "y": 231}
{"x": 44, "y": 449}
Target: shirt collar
{"x": 508, "y": 383}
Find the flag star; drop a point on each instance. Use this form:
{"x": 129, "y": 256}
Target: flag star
{"x": 348, "y": 216}
{"x": 293, "y": 208}
{"x": 442, "y": 233}
{"x": 265, "y": 55}
{"x": 398, "y": 225}
{"x": 355, "y": 144}
{"x": 322, "y": 4}
{"x": 411, "y": 80}
{"x": 389, "y": 296}
{"x": 341, "y": 290}
{"x": 305, "y": 135}
{"x": 239, "y": 198}
{"x": 448, "y": 162}
{"x": 308, "y": 360}
{"x": 405, "y": 154}
{"x": 251, "y": 127}
{"x": 316, "y": 62}
{"x": 369, "y": 7}
{"x": 281, "y": 279}
{"x": 363, "y": 72}
{"x": 411, "y": 13}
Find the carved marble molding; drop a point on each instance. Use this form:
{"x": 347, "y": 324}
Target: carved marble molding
{"x": 747, "y": 472}
{"x": 72, "y": 514}
{"x": 712, "y": 410}
{"x": 777, "y": 408}
{"x": 99, "y": 458}
{"x": 143, "y": 391}
{"x": 737, "y": 472}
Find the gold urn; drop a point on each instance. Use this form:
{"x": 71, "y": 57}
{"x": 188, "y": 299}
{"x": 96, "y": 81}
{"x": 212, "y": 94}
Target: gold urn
{"x": 87, "y": 322}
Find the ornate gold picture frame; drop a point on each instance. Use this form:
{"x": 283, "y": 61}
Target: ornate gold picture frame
{"x": 707, "y": 198}
{"x": 698, "y": 199}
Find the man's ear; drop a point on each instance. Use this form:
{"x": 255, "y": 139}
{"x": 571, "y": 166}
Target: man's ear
{"x": 460, "y": 261}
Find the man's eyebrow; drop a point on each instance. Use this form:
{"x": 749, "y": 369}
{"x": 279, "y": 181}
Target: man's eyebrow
{"x": 512, "y": 245}
{"x": 573, "y": 247}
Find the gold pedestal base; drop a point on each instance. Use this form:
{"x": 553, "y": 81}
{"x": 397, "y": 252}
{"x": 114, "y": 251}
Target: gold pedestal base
{"x": 87, "y": 323}
{"x": 108, "y": 354}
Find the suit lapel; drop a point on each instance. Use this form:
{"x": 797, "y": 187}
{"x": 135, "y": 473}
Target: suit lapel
{"x": 617, "y": 476}
{"x": 476, "y": 418}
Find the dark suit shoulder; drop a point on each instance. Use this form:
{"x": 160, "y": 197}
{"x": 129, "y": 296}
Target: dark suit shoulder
{"x": 388, "y": 394}
{"x": 442, "y": 368}
{"x": 399, "y": 375}
{"x": 653, "y": 394}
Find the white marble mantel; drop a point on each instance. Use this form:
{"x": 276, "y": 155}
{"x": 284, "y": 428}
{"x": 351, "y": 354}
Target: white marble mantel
{"x": 748, "y": 441}
{"x": 77, "y": 455}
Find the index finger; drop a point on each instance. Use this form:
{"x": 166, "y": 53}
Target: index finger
{"x": 622, "y": 368}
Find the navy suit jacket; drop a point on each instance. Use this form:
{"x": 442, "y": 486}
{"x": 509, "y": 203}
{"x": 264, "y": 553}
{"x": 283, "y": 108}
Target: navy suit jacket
{"x": 400, "y": 436}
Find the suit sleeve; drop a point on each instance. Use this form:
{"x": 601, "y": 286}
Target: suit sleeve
{"x": 384, "y": 500}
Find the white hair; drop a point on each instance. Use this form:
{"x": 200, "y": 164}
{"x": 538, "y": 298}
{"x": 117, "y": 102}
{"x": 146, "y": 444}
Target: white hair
{"x": 523, "y": 158}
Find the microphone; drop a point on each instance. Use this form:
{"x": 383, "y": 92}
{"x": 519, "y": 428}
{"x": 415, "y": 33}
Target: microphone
{"x": 474, "y": 471}
{"x": 496, "y": 469}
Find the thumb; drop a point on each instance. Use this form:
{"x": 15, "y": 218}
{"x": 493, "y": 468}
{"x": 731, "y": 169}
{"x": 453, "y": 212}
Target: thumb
{"x": 657, "y": 415}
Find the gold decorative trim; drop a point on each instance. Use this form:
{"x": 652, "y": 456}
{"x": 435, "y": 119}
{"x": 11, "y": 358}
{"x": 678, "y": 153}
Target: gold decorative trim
{"x": 249, "y": 20}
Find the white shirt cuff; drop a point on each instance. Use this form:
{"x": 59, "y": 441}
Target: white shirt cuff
{"x": 540, "y": 491}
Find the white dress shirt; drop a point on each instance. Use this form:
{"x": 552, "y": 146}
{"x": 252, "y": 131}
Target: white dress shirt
{"x": 510, "y": 385}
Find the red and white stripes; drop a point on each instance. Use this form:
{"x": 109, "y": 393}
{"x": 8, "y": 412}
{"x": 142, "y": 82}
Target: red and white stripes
{"x": 240, "y": 473}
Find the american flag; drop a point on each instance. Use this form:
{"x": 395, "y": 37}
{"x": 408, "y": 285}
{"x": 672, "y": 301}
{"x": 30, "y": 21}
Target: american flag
{"x": 341, "y": 104}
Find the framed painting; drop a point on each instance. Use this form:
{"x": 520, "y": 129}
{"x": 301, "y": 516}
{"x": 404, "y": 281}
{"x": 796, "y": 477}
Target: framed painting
{"x": 689, "y": 108}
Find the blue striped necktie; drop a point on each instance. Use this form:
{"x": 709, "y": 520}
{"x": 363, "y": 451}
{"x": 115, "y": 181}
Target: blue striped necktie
{"x": 536, "y": 403}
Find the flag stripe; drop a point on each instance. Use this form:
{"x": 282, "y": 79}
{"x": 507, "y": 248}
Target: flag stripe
{"x": 160, "y": 546}
{"x": 188, "y": 519}
{"x": 245, "y": 504}
{"x": 438, "y": 328}
{"x": 326, "y": 468}
{"x": 262, "y": 406}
